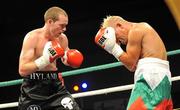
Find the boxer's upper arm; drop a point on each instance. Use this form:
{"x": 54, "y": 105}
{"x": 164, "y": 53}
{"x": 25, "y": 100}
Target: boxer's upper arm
{"x": 28, "y": 49}
{"x": 64, "y": 42}
{"x": 133, "y": 49}
{"x": 134, "y": 45}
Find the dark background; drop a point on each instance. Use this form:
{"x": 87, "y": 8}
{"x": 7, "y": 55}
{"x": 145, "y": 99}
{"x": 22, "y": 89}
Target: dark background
{"x": 19, "y": 17}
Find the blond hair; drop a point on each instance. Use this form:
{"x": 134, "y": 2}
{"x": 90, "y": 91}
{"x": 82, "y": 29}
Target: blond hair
{"x": 112, "y": 21}
{"x": 53, "y": 13}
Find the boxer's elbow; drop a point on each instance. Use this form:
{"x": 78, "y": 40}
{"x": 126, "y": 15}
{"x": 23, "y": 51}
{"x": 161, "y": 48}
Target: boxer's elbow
{"x": 131, "y": 67}
{"x": 23, "y": 71}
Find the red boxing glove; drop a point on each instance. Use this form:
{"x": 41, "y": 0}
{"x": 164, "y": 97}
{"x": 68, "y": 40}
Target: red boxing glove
{"x": 73, "y": 58}
{"x": 55, "y": 51}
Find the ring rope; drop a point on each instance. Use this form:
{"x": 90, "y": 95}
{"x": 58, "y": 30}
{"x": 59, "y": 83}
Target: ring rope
{"x": 91, "y": 93}
{"x": 82, "y": 71}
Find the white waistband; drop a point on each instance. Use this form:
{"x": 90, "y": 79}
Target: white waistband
{"x": 149, "y": 66}
{"x": 152, "y": 62}
{"x": 153, "y": 70}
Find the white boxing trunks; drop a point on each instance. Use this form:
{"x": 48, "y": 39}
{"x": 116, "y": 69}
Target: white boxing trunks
{"x": 152, "y": 90}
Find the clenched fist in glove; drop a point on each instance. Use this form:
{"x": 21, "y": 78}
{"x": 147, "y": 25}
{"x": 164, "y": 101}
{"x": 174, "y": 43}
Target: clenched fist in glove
{"x": 106, "y": 38}
{"x": 52, "y": 51}
{"x": 73, "y": 58}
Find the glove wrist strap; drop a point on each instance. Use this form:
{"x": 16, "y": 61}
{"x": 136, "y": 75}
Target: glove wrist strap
{"x": 117, "y": 51}
{"x": 41, "y": 62}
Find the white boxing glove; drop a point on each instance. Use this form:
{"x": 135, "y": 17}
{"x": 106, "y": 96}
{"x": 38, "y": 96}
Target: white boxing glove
{"x": 106, "y": 38}
{"x": 52, "y": 51}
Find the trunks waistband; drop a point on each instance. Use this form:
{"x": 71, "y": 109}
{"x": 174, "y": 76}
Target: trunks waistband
{"x": 152, "y": 62}
{"x": 152, "y": 66}
{"x": 41, "y": 75}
